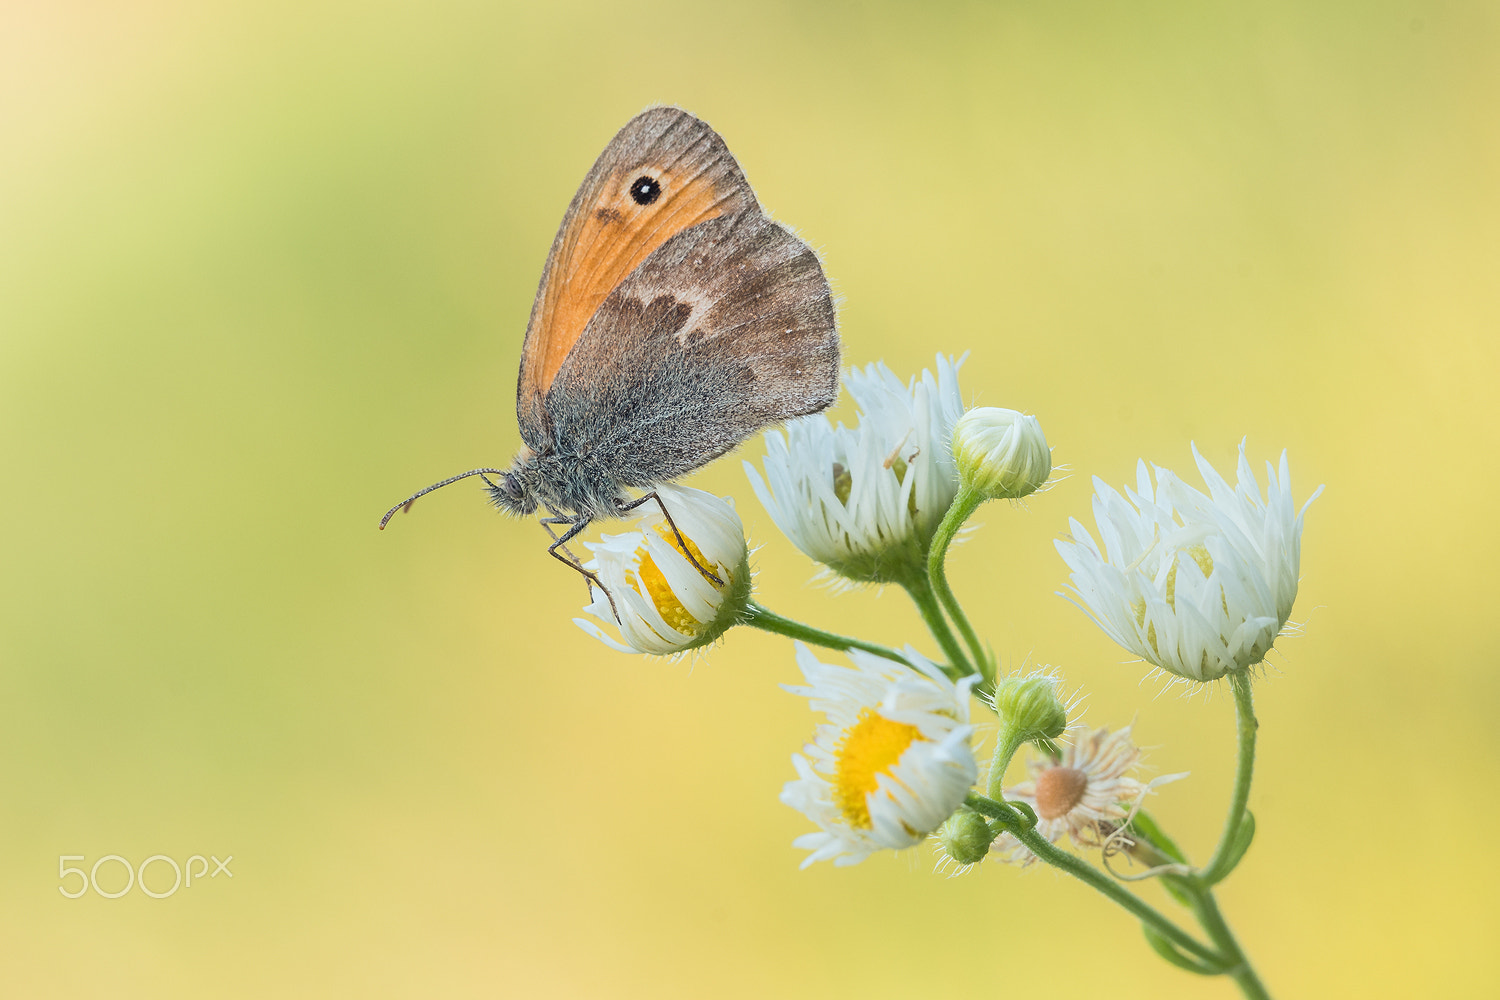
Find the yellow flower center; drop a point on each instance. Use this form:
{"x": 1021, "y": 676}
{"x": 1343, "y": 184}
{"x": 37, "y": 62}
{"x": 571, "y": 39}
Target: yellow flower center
{"x": 659, "y": 592}
{"x": 843, "y": 480}
{"x": 1205, "y": 563}
{"x": 1199, "y": 555}
{"x": 843, "y": 483}
{"x": 868, "y": 749}
{"x": 1058, "y": 790}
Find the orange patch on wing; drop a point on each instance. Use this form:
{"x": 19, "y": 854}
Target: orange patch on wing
{"x": 605, "y": 241}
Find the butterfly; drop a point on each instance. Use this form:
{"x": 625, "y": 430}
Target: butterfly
{"x": 674, "y": 319}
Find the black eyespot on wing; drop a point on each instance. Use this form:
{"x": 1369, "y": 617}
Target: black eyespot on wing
{"x": 645, "y": 190}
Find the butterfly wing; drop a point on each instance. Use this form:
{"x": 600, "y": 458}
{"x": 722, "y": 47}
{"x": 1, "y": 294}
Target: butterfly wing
{"x": 663, "y": 173}
{"x": 726, "y": 328}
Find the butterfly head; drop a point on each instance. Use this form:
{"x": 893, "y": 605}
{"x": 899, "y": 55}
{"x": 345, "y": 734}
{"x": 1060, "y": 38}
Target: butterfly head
{"x": 513, "y": 491}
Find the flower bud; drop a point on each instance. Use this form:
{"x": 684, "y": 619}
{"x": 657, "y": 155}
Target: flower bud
{"x": 965, "y": 838}
{"x": 1001, "y": 453}
{"x": 1030, "y": 710}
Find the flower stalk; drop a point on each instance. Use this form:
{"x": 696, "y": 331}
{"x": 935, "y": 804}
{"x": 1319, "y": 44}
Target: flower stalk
{"x": 1066, "y": 861}
{"x": 919, "y": 588}
{"x": 1006, "y": 746}
{"x": 759, "y": 616}
{"x": 1227, "y": 855}
{"x": 1234, "y": 963}
{"x": 963, "y": 507}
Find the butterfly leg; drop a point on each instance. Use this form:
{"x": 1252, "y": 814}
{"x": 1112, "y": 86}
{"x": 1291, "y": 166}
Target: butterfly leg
{"x": 708, "y": 574}
{"x": 559, "y": 551}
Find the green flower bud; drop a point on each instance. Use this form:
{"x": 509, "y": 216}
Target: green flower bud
{"x": 1030, "y": 710}
{"x": 1001, "y": 453}
{"x": 965, "y": 837}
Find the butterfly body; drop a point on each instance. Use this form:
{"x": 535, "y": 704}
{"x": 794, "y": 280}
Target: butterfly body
{"x": 673, "y": 320}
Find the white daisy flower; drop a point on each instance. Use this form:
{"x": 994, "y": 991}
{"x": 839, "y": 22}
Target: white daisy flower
{"x": 893, "y": 760}
{"x": 665, "y": 603}
{"x": 1197, "y": 585}
{"x": 865, "y": 501}
{"x": 1083, "y": 793}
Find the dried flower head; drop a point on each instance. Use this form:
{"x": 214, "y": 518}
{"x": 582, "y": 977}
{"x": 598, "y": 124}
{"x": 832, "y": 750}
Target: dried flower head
{"x": 1091, "y": 784}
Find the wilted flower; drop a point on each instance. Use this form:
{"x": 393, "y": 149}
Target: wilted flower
{"x": 1082, "y": 793}
{"x": 1196, "y": 584}
{"x": 893, "y": 760}
{"x": 865, "y": 501}
{"x": 665, "y": 603}
{"x": 1001, "y": 453}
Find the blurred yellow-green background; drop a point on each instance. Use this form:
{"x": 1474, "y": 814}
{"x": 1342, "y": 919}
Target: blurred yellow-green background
{"x": 265, "y": 267}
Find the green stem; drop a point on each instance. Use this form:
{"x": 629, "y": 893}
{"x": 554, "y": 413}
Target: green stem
{"x": 964, "y": 504}
{"x": 1238, "y": 967}
{"x": 999, "y": 809}
{"x": 1239, "y": 682}
{"x": 920, "y": 589}
{"x": 1082, "y": 870}
{"x": 764, "y": 618}
{"x": 1205, "y": 907}
{"x": 1006, "y": 745}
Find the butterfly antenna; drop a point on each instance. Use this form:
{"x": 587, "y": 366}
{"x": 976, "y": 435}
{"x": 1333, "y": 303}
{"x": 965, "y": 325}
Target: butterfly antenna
{"x": 406, "y": 504}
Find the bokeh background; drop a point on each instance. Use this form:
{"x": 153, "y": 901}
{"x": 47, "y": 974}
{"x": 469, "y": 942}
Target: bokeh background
{"x": 265, "y": 267}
